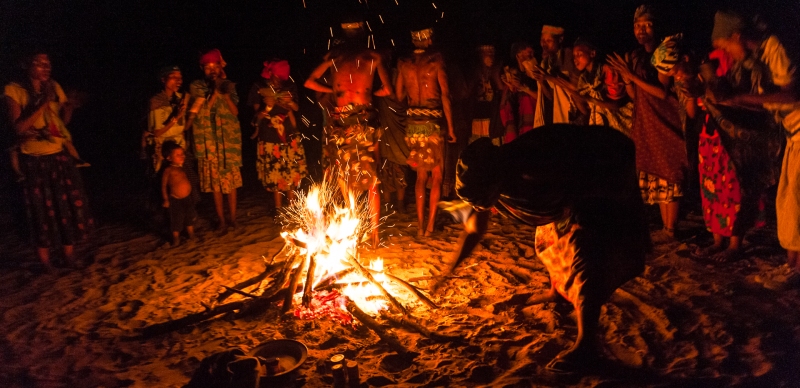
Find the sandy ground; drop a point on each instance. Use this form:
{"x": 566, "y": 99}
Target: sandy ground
{"x": 682, "y": 323}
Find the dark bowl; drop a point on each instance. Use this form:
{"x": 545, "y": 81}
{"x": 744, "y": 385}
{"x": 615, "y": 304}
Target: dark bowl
{"x": 290, "y": 354}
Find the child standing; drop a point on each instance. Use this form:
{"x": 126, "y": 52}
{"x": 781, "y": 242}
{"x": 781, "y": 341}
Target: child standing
{"x": 177, "y": 193}
{"x": 281, "y": 162}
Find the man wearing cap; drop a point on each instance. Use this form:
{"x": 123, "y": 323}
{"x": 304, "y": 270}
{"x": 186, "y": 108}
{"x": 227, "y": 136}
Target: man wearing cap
{"x": 217, "y": 135}
{"x": 578, "y": 186}
{"x": 422, "y": 82}
{"x": 656, "y": 129}
{"x": 553, "y": 103}
{"x": 351, "y": 133}
{"x": 762, "y": 66}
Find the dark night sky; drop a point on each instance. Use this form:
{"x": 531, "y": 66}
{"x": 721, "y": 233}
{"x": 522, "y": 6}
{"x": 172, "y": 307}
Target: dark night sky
{"x": 113, "y": 49}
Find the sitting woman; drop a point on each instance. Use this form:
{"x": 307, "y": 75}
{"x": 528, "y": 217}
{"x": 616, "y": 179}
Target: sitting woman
{"x": 56, "y": 203}
{"x": 281, "y": 160}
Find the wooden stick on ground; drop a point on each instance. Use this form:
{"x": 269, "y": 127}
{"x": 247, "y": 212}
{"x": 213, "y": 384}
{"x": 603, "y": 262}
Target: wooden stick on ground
{"x": 422, "y": 298}
{"x": 373, "y": 325}
{"x": 235, "y": 291}
{"x": 366, "y": 273}
{"x": 268, "y": 271}
{"x": 413, "y": 325}
{"x": 330, "y": 280}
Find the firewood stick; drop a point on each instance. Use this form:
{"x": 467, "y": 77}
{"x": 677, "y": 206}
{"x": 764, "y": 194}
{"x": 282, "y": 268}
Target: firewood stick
{"x": 366, "y": 273}
{"x": 373, "y": 325}
{"x": 279, "y": 283}
{"x": 289, "y": 298}
{"x": 269, "y": 270}
{"x": 312, "y": 266}
{"x": 422, "y": 298}
{"x": 412, "y": 324}
{"x": 331, "y": 279}
{"x": 235, "y": 291}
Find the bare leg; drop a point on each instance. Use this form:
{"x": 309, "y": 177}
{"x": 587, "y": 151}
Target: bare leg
{"x": 670, "y": 217}
{"x": 436, "y": 192}
{"x": 218, "y": 208}
{"x": 176, "y": 238}
{"x": 190, "y": 232}
{"x": 710, "y": 250}
{"x": 232, "y": 206}
{"x": 401, "y": 200}
{"x": 276, "y": 195}
{"x": 587, "y": 314}
{"x": 793, "y": 259}
{"x": 375, "y": 213}
{"x": 419, "y": 191}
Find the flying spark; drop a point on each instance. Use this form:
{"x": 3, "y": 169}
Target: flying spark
{"x": 381, "y": 17}
{"x": 334, "y": 66}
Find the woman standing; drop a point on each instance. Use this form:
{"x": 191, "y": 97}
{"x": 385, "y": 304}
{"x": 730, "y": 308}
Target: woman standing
{"x": 281, "y": 162}
{"x": 56, "y": 203}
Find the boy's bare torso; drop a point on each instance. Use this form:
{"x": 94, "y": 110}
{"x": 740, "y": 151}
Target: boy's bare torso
{"x": 177, "y": 182}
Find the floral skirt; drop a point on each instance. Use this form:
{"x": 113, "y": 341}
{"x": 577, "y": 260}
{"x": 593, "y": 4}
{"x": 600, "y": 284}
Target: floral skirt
{"x": 281, "y": 167}
{"x": 719, "y": 185}
{"x": 56, "y": 203}
{"x": 215, "y": 179}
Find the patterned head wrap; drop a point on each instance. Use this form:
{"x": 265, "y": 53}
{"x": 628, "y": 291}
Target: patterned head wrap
{"x": 552, "y": 30}
{"x": 280, "y": 68}
{"x": 422, "y": 34}
{"x": 726, "y": 24}
{"x": 213, "y": 56}
{"x": 477, "y": 178}
{"x": 644, "y": 11}
{"x": 667, "y": 54}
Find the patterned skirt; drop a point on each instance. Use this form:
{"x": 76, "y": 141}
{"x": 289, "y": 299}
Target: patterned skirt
{"x": 719, "y": 186}
{"x": 55, "y": 200}
{"x": 215, "y": 179}
{"x": 281, "y": 166}
{"x": 655, "y": 189}
{"x": 426, "y": 144}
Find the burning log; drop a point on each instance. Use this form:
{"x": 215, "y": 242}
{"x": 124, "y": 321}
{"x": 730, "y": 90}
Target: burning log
{"x": 330, "y": 280}
{"x": 312, "y": 267}
{"x": 368, "y": 275}
{"x": 373, "y": 325}
{"x": 289, "y": 298}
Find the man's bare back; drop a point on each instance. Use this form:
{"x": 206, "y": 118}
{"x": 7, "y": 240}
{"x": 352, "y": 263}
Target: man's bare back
{"x": 419, "y": 76}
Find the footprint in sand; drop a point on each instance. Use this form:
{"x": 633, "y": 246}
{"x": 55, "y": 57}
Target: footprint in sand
{"x": 128, "y": 309}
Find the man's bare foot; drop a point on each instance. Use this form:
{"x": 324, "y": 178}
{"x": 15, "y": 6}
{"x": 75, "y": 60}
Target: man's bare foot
{"x": 573, "y": 360}
{"x": 420, "y": 232}
{"x": 550, "y": 296}
{"x": 429, "y": 232}
{"x": 176, "y": 241}
{"x": 222, "y": 226}
{"x": 727, "y": 255}
{"x": 707, "y": 252}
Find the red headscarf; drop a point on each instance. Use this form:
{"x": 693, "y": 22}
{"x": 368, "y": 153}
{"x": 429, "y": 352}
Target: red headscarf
{"x": 279, "y": 68}
{"x": 213, "y": 56}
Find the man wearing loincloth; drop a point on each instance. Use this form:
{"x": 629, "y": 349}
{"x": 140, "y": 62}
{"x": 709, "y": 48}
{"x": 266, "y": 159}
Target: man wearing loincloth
{"x": 578, "y": 186}
{"x": 423, "y": 81}
{"x": 351, "y": 136}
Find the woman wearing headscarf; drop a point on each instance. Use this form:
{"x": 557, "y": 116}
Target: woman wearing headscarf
{"x": 55, "y": 201}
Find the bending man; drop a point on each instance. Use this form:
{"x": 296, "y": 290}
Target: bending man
{"x": 578, "y": 186}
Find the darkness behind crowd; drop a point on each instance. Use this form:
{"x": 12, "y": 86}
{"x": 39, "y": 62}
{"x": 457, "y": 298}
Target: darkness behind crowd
{"x": 112, "y": 50}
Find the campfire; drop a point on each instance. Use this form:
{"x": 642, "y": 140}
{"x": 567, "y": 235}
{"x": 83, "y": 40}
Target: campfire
{"x": 319, "y": 273}
{"x": 324, "y": 231}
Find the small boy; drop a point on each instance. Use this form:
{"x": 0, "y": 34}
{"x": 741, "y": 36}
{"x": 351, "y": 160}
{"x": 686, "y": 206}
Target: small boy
{"x": 177, "y": 198}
